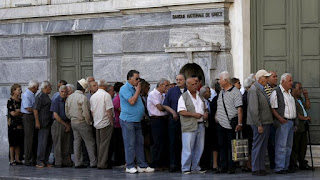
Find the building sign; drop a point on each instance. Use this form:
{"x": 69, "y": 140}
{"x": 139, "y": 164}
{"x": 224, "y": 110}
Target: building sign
{"x": 217, "y": 15}
{"x": 196, "y": 15}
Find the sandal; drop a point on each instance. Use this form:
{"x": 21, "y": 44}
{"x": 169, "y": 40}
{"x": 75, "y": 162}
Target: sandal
{"x": 13, "y": 163}
{"x": 19, "y": 163}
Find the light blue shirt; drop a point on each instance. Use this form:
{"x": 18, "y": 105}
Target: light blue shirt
{"x": 130, "y": 113}
{"x": 304, "y": 111}
{"x": 27, "y": 101}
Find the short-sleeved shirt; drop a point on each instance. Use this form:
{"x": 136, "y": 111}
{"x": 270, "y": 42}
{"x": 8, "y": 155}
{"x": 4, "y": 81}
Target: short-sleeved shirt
{"x": 116, "y": 105}
{"x": 43, "y": 104}
{"x": 27, "y": 101}
{"x": 58, "y": 106}
{"x": 232, "y": 100}
{"x": 130, "y": 113}
{"x": 12, "y": 105}
{"x": 100, "y": 103}
{"x": 154, "y": 98}
{"x": 198, "y": 104}
{"x": 290, "y": 104}
{"x": 55, "y": 95}
{"x": 173, "y": 96}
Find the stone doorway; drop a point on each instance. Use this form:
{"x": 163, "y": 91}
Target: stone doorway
{"x": 191, "y": 69}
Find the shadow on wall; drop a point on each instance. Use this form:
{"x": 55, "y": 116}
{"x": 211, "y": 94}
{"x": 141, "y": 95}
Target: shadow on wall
{"x": 193, "y": 69}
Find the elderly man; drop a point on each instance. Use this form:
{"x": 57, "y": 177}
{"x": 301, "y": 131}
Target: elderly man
{"x": 299, "y": 148}
{"x": 71, "y": 89}
{"x": 78, "y": 112}
{"x": 43, "y": 117}
{"x": 229, "y": 107}
{"x": 171, "y": 104}
{"x": 110, "y": 90}
{"x": 284, "y": 109}
{"x": 193, "y": 116}
{"x": 30, "y": 135}
{"x": 272, "y": 83}
{"x": 158, "y": 120}
{"x": 260, "y": 118}
{"x": 132, "y": 110}
{"x": 92, "y": 87}
{"x": 102, "y": 112}
{"x": 60, "y": 83}
{"x": 61, "y": 129}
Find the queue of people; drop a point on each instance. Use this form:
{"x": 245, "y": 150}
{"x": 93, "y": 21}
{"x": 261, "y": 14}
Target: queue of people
{"x": 175, "y": 127}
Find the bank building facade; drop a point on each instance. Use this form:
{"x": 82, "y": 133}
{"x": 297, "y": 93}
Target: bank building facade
{"x": 72, "y": 39}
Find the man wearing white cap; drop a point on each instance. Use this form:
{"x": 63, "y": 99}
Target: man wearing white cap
{"x": 77, "y": 110}
{"x": 260, "y": 118}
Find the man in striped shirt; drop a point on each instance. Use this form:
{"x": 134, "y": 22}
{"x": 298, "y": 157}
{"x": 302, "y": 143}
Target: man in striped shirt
{"x": 272, "y": 83}
{"x": 229, "y": 106}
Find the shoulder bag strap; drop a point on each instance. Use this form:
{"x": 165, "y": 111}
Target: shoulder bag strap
{"x": 225, "y": 109}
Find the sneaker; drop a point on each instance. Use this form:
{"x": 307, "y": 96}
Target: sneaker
{"x": 186, "y": 172}
{"x": 201, "y": 171}
{"x": 147, "y": 169}
{"x": 40, "y": 165}
{"x": 131, "y": 170}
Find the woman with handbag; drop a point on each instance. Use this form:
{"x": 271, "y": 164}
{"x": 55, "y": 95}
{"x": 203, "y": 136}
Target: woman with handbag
{"x": 15, "y": 128}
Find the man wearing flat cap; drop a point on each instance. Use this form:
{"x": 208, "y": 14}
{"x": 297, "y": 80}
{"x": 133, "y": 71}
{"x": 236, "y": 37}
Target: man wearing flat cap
{"x": 260, "y": 118}
{"x": 78, "y": 111}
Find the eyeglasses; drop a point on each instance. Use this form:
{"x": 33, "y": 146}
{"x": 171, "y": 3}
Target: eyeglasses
{"x": 138, "y": 79}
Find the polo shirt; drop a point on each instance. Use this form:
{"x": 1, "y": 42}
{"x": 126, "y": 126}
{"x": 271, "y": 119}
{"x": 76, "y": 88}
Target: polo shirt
{"x": 172, "y": 97}
{"x": 43, "y": 104}
{"x": 154, "y": 98}
{"x": 100, "y": 103}
{"x": 58, "y": 106}
{"x": 27, "y": 101}
{"x": 232, "y": 100}
{"x": 130, "y": 113}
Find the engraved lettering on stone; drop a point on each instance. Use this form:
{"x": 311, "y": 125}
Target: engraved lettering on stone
{"x": 196, "y": 15}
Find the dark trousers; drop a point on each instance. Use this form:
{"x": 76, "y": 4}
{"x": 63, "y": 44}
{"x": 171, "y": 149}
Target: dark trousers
{"x": 30, "y": 138}
{"x": 44, "y": 145}
{"x": 224, "y": 138}
{"x": 259, "y": 147}
{"x": 175, "y": 144}
{"x": 61, "y": 143}
{"x": 299, "y": 149}
{"x": 271, "y": 146}
{"x": 158, "y": 125}
{"x": 207, "y": 154}
{"x": 116, "y": 147}
{"x": 103, "y": 137}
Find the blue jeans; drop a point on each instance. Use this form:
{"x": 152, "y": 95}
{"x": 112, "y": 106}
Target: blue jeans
{"x": 283, "y": 146}
{"x": 133, "y": 144}
{"x": 192, "y": 148}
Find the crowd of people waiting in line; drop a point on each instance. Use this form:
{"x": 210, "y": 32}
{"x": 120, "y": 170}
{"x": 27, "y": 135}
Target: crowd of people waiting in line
{"x": 180, "y": 126}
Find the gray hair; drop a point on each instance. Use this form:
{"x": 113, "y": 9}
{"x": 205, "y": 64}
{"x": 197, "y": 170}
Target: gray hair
{"x": 109, "y": 87}
{"x": 33, "y": 83}
{"x": 45, "y": 84}
{"x": 203, "y": 89}
{"x": 161, "y": 81}
{"x": 71, "y": 87}
{"x": 284, "y": 76}
{"x": 226, "y": 76}
{"x": 63, "y": 87}
{"x": 102, "y": 82}
{"x": 89, "y": 78}
{"x": 249, "y": 81}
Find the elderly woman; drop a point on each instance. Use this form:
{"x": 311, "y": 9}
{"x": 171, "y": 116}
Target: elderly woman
{"x": 15, "y": 130}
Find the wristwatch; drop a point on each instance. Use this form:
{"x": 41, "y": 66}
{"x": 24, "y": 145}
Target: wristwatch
{"x": 240, "y": 124}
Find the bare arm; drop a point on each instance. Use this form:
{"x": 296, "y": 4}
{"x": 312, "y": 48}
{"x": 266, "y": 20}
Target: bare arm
{"x": 17, "y": 112}
{"x": 36, "y": 117}
{"x": 191, "y": 114}
{"x": 110, "y": 115}
{"x": 275, "y": 113}
{"x": 57, "y": 118}
{"x": 135, "y": 97}
{"x": 160, "y": 107}
{"x": 171, "y": 111}
{"x": 240, "y": 115}
{"x": 29, "y": 109}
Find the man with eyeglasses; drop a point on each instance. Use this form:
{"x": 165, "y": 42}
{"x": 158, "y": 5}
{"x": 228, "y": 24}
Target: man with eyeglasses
{"x": 299, "y": 147}
{"x": 132, "y": 110}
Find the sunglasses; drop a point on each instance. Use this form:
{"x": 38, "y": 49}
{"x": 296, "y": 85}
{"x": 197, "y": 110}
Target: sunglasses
{"x": 138, "y": 79}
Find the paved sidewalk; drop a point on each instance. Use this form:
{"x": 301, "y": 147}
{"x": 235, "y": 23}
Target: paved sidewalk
{"x": 27, "y": 172}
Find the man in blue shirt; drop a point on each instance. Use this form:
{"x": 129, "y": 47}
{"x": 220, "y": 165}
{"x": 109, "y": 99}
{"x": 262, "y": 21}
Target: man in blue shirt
{"x": 170, "y": 104}
{"x": 30, "y": 136}
{"x": 61, "y": 129}
{"x": 132, "y": 111}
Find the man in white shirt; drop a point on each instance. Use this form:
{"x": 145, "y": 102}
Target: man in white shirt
{"x": 284, "y": 109}
{"x": 158, "y": 120}
{"x": 193, "y": 116}
{"x": 102, "y": 112}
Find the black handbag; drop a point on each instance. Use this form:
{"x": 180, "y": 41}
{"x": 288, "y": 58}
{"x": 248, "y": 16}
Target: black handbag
{"x": 234, "y": 120}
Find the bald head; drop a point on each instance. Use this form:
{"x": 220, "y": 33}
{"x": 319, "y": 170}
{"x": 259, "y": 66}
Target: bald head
{"x": 192, "y": 85}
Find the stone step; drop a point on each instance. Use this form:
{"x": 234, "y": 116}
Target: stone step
{"x": 315, "y": 154}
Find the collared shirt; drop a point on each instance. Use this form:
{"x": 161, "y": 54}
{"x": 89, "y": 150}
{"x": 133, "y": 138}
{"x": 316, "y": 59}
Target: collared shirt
{"x": 27, "y": 101}
{"x": 268, "y": 90}
{"x": 100, "y": 103}
{"x": 43, "y": 104}
{"x": 173, "y": 96}
{"x": 305, "y": 114}
{"x": 130, "y": 113}
{"x": 77, "y": 109}
{"x": 154, "y": 98}
{"x": 197, "y": 103}
{"x": 290, "y": 106}
{"x": 58, "y": 106}
{"x": 55, "y": 95}
{"x": 233, "y": 100}
{"x": 116, "y": 105}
